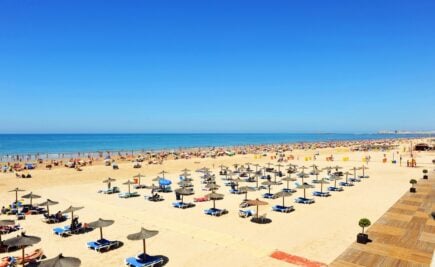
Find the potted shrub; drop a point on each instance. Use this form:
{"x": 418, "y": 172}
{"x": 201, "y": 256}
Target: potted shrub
{"x": 425, "y": 174}
{"x": 363, "y": 238}
{"x": 412, "y": 182}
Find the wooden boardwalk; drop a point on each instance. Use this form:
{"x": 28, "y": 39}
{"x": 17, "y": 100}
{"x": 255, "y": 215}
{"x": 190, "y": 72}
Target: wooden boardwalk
{"x": 403, "y": 236}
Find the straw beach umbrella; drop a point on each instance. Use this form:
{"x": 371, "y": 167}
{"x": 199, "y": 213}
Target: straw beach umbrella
{"x": 334, "y": 178}
{"x": 61, "y": 261}
{"x": 283, "y": 194}
{"x": 100, "y": 223}
{"x": 163, "y": 173}
{"x": 257, "y": 203}
{"x": 184, "y": 183}
{"x": 71, "y": 210}
{"x": 128, "y": 183}
{"x": 109, "y": 181}
{"x": 215, "y": 196}
{"x": 47, "y": 204}
{"x": 143, "y": 234}
{"x": 16, "y": 190}
{"x": 347, "y": 176}
{"x": 246, "y": 189}
{"x": 22, "y": 241}
{"x": 305, "y": 186}
{"x": 212, "y": 187}
{"x": 354, "y": 172}
{"x": 322, "y": 182}
{"x": 303, "y": 175}
{"x": 183, "y": 192}
{"x": 288, "y": 180}
{"x": 268, "y": 184}
{"x": 139, "y": 177}
{"x": 5, "y": 223}
{"x": 363, "y": 168}
{"x": 31, "y": 196}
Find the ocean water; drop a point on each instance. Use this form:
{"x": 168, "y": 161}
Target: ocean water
{"x": 23, "y": 144}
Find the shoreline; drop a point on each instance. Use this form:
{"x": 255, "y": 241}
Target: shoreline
{"x": 99, "y": 153}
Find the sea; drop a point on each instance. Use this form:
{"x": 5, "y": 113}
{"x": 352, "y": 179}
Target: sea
{"x": 52, "y": 145}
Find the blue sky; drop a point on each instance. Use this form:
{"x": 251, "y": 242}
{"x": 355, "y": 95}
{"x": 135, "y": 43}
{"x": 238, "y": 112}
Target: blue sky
{"x": 216, "y": 66}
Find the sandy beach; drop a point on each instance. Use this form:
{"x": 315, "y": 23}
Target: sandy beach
{"x": 318, "y": 232}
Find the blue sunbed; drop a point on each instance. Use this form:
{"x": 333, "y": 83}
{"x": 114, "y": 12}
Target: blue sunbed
{"x": 62, "y": 231}
{"x": 354, "y": 180}
{"x": 289, "y": 190}
{"x": 281, "y": 208}
{"x": 303, "y": 200}
{"x": 182, "y": 205}
{"x": 236, "y": 191}
{"x": 321, "y": 194}
{"x": 346, "y": 184}
{"x": 215, "y": 212}
{"x": 245, "y": 213}
{"x": 102, "y": 244}
{"x": 149, "y": 261}
{"x": 128, "y": 195}
{"x": 268, "y": 195}
{"x": 335, "y": 189}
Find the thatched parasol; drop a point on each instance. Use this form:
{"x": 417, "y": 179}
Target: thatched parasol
{"x": 257, "y": 203}
{"x": 60, "y": 261}
{"x": 100, "y": 223}
{"x": 71, "y": 210}
{"x": 139, "y": 177}
{"x": 22, "y": 241}
{"x": 31, "y": 196}
{"x": 47, "y": 204}
{"x": 16, "y": 190}
{"x": 183, "y": 192}
{"x": 305, "y": 186}
{"x": 109, "y": 181}
{"x": 129, "y": 183}
{"x": 214, "y": 196}
{"x": 283, "y": 194}
{"x": 143, "y": 234}
{"x": 246, "y": 189}
{"x": 268, "y": 184}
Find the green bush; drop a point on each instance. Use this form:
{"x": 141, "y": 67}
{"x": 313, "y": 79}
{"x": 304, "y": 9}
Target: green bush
{"x": 363, "y": 223}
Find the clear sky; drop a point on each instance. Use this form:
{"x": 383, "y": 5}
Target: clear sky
{"x": 216, "y": 66}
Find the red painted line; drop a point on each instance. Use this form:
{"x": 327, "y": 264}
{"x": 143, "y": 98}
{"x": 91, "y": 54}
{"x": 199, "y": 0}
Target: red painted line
{"x": 296, "y": 260}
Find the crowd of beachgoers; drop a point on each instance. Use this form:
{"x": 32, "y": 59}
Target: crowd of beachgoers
{"x": 12, "y": 162}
